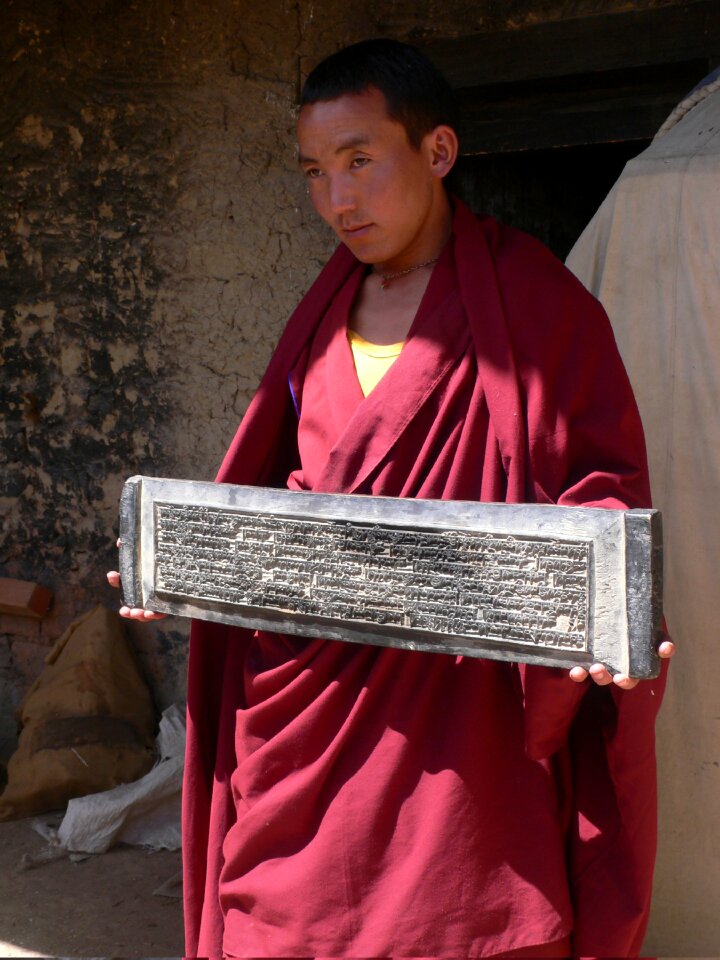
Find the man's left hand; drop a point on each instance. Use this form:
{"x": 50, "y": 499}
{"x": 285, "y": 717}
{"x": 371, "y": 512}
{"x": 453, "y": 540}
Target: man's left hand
{"x": 602, "y": 676}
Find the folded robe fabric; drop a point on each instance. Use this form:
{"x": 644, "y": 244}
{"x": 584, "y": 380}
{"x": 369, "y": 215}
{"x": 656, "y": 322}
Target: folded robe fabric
{"x": 360, "y": 801}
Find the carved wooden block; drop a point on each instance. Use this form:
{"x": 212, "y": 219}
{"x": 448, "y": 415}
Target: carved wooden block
{"x": 541, "y": 584}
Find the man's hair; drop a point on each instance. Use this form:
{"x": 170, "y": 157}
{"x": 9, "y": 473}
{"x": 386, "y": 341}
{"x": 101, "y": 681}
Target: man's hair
{"x": 417, "y": 95}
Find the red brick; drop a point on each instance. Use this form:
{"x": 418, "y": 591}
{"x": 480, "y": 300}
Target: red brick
{"x": 23, "y": 598}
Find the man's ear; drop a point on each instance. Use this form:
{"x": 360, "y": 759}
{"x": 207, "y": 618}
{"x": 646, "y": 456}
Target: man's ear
{"x": 442, "y": 146}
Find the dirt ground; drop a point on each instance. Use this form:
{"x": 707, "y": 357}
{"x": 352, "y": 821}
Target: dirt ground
{"x": 101, "y": 907}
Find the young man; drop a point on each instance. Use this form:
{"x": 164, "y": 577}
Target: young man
{"x": 347, "y": 800}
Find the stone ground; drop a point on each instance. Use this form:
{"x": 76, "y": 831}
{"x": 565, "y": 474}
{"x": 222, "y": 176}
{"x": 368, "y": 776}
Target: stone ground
{"x": 101, "y": 907}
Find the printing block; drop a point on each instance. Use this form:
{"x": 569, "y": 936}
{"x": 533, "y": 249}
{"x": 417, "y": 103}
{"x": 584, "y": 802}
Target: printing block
{"x": 557, "y": 586}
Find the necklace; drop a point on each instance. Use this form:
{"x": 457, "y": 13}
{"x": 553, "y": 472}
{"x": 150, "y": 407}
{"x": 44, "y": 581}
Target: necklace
{"x": 385, "y": 278}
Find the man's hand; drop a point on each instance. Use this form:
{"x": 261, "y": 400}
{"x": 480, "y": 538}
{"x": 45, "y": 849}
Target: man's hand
{"x": 132, "y": 613}
{"x": 602, "y": 677}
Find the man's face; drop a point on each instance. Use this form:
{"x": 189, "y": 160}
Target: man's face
{"x": 366, "y": 180}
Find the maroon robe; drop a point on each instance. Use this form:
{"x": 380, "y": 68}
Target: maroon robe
{"x": 351, "y": 800}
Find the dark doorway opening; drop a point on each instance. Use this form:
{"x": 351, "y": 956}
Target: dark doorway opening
{"x": 550, "y": 112}
{"x": 551, "y": 194}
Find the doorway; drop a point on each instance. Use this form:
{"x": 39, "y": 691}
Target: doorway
{"x": 550, "y": 112}
{"x": 551, "y": 194}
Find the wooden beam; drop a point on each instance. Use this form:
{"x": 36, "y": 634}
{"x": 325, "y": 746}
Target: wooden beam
{"x": 545, "y": 119}
{"x": 583, "y": 45}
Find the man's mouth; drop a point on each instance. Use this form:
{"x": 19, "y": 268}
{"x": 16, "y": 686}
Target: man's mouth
{"x": 355, "y": 230}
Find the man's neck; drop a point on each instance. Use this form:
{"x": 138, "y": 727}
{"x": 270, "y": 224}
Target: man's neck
{"x": 387, "y": 301}
{"x": 386, "y": 315}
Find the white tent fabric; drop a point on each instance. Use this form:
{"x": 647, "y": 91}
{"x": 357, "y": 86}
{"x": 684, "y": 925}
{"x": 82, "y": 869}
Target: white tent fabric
{"x": 651, "y": 254}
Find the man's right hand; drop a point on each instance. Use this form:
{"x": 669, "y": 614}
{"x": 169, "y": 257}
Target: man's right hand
{"x": 132, "y": 613}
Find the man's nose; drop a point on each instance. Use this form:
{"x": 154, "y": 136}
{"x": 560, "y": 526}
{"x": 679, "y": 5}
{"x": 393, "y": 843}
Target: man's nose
{"x": 342, "y": 194}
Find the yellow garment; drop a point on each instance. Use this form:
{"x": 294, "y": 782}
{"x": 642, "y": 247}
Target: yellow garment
{"x": 372, "y": 360}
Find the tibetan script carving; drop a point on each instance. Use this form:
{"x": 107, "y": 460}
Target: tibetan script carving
{"x": 451, "y": 582}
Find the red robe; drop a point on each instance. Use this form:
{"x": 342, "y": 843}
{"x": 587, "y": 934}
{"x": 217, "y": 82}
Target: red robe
{"x": 351, "y": 800}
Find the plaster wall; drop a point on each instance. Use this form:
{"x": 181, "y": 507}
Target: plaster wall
{"x": 154, "y": 236}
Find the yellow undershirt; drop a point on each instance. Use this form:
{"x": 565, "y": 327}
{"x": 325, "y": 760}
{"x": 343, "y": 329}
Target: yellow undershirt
{"x": 372, "y": 360}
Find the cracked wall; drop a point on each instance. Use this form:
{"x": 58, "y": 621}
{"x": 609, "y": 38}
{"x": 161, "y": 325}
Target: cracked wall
{"x": 149, "y": 251}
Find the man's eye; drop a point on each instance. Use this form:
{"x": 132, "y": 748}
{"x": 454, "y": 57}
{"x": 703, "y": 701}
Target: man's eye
{"x": 312, "y": 173}
{"x": 359, "y": 162}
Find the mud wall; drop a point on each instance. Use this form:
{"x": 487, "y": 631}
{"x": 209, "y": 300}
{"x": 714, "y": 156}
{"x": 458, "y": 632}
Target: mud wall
{"x": 154, "y": 236}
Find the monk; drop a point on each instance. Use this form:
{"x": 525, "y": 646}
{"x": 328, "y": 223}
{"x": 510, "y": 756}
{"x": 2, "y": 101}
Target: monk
{"x": 350, "y": 800}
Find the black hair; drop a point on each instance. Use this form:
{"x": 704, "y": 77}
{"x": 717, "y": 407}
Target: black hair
{"x": 417, "y": 95}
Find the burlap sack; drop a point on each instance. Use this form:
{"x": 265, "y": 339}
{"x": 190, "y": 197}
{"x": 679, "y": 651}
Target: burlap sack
{"x": 87, "y": 721}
